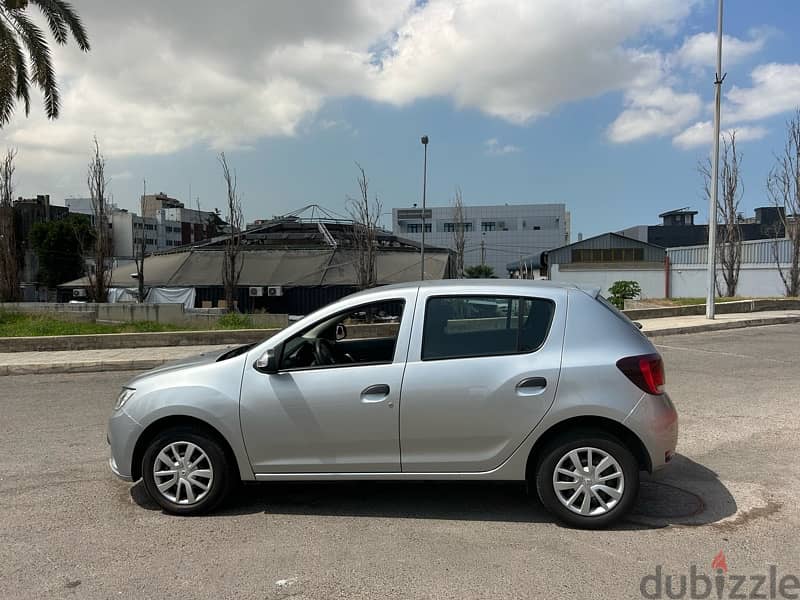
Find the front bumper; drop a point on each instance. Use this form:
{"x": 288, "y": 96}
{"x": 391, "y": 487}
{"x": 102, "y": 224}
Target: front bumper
{"x": 123, "y": 432}
{"x": 655, "y": 420}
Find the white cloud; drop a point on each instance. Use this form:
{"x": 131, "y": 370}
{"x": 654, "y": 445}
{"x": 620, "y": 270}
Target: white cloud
{"x": 518, "y": 60}
{"x": 160, "y": 77}
{"x": 495, "y": 148}
{"x": 649, "y": 112}
{"x": 700, "y": 50}
{"x": 775, "y": 90}
{"x": 701, "y": 134}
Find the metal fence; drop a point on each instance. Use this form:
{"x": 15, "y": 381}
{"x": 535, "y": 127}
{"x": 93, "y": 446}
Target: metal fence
{"x": 755, "y": 252}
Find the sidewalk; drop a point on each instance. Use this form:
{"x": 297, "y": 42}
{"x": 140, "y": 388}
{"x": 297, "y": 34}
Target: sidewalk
{"x": 92, "y": 361}
{"x": 699, "y": 323}
{"x": 129, "y": 359}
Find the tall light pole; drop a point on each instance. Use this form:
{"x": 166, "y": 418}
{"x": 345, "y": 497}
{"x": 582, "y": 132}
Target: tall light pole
{"x": 424, "y": 141}
{"x": 712, "y": 201}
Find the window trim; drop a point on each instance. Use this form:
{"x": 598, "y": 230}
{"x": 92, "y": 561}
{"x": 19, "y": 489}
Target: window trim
{"x": 344, "y": 365}
{"x": 491, "y": 296}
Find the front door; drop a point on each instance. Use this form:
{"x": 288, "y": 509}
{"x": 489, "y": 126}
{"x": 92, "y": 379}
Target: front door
{"x": 482, "y": 372}
{"x": 334, "y": 405}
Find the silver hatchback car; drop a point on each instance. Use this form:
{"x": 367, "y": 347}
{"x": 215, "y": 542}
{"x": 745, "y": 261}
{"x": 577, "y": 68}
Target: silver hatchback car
{"x": 459, "y": 379}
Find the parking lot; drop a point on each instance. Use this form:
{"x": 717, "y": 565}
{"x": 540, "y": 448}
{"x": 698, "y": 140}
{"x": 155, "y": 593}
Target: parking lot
{"x": 70, "y": 529}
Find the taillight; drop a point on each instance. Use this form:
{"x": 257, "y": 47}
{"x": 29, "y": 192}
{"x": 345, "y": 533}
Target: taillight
{"x": 646, "y": 371}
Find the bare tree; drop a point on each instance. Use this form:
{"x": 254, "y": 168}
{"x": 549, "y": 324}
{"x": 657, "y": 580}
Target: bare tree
{"x": 459, "y": 226}
{"x": 729, "y": 243}
{"x": 99, "y": 277}
{"x": 365, "y": 216}
{"x": 783, "y": 187}
{"x": 139, "y": 248}
{"x": 9, "y": 259}
{"x": 232, "y": 262}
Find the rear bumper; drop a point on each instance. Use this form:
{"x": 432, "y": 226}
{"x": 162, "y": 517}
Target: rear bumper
{"x": 655, "y": 420}
{"x": 123, "y": 432}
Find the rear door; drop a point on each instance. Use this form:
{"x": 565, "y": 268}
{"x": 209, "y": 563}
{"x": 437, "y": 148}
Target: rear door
{"x": 482, "y": 371}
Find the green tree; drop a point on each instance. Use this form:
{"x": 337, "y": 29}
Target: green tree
{"x": 18, "y": 31}
{"x": 623, "y": 290}
{"x": 479, "y": 272}
{"x": 58, "y": 246}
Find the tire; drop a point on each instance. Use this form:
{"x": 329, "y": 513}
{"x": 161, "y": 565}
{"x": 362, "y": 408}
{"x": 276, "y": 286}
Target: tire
{"x": 200, "y": 482}
{"x": 609, "y": 497}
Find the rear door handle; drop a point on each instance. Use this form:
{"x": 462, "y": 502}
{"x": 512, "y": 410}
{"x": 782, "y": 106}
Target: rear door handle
{"x": 532, "y": 386}
{"x": 375, "y": 393}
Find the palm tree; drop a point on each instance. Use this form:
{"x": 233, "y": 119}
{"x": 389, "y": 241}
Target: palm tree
{"x": 18, "y": 31}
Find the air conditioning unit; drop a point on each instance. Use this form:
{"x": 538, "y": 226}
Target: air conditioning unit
{"x": 79, "y": 293}
{"x": 256, "y": 292}
{"x": 275, "y": 290}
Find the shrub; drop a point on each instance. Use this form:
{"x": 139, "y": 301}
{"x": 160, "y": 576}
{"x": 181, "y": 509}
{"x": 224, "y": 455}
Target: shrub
{"x": 623, "y": 290}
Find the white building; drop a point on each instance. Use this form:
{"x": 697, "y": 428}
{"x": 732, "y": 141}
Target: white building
{"x": 494, "y": 235}
{"x": 162, "y": 231}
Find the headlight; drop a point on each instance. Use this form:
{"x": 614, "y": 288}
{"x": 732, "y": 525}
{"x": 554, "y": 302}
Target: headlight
{"x": 125, "y": 395}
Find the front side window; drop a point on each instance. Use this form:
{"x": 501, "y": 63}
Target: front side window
{"x": 363, "y": 335}
{"x": 469, "y": 326}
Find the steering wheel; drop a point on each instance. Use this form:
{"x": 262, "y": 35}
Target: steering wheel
{"x": 323, "y": 353}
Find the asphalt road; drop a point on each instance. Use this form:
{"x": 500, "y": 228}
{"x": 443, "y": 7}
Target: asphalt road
{"x": 68, "y": 529}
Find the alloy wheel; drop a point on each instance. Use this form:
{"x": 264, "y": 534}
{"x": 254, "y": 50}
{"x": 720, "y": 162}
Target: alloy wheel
{"x": 588, "y": 481}
{"x": 183, "y": 473}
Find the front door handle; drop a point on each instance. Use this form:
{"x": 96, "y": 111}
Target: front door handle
{"x": 532, "y": 386}
{"x": 375, "y": 393}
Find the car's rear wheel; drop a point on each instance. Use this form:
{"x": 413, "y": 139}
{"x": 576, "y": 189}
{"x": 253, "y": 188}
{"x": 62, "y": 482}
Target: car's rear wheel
{"x": 185, "y": 471}
{"x": 587, "y": 479}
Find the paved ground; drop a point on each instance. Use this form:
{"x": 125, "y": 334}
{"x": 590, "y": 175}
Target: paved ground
{"x": 69, "y": 530}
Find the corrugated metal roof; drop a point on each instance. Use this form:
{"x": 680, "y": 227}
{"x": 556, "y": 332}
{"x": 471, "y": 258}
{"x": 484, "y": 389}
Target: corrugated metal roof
{"x": 563, "y": 255}
{"x": 203, "y": 268}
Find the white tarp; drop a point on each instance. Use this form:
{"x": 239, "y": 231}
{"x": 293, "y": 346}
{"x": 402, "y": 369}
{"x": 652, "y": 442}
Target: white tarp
{"x": 123, "y": 295}
{"x": 161, "y": 295}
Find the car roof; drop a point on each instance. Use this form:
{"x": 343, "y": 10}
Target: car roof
{"x": 479, "y": 284}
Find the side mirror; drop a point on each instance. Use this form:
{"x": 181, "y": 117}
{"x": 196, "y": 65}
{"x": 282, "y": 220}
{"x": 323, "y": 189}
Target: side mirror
{"x": 341, "y": 332}
{"x": 269, "y": 362}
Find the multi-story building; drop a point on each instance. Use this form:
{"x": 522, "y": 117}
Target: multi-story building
{"x": 195, "y": 224}
{"x": 494, "y": 235}
{"x": 164, "y": 224}
{"x": 678, "y": 228}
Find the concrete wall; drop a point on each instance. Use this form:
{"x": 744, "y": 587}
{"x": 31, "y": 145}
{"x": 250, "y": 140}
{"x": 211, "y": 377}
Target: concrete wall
{"x": 651, "y": 280}
{"x": 686, "y": 281}
{"x": 689, "y": 281}
{"x": 134, "y": 340}
{"x": 169, "y": 314}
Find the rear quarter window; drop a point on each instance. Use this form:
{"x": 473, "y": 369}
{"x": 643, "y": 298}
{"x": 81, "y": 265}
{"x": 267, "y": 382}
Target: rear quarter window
{"x": 470, "y": 326}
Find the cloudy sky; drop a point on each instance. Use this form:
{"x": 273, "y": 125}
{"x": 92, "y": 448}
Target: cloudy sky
{"x": 605, "y": 105}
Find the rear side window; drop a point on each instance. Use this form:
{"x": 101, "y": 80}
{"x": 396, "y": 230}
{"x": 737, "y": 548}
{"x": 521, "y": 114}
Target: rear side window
{"x": 467, "y": 326}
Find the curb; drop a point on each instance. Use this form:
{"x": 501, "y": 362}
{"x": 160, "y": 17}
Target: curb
{"x": 722, "y": 326}
{"x": 82, "y": 367}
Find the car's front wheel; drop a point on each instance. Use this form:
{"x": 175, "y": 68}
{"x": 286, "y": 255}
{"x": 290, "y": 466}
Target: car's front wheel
{"x": 587, "y": 479}
{"x": 185, "y": 471}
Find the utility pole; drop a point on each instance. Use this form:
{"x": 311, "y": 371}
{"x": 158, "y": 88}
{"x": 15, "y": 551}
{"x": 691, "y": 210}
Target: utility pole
{"x": 424, "y": 140}
{"x": 483, "y": 252}
{"x": 712, "y": 203}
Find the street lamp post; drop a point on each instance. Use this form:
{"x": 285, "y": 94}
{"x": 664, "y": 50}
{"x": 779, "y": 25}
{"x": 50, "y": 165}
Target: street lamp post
{"x": 712, "y": 200}
{"x": 424, "y": 141}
